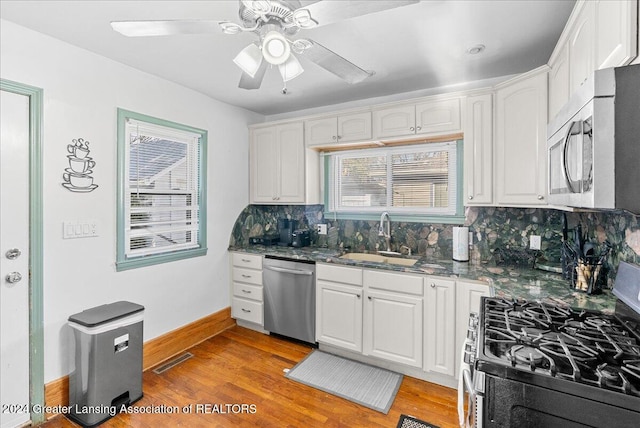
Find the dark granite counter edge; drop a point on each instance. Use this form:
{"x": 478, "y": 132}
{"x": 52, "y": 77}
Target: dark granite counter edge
{"x": 505, "y": 281}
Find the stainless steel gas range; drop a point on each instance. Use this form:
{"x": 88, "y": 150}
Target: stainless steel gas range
{"x": 533, "y": 364}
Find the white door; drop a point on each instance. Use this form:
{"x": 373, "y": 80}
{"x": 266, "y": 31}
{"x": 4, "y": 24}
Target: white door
{"x": 14, "y": 258}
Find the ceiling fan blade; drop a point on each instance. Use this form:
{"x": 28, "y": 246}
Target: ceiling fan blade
{"x": 165, "y": 28}
{"x": 248, "y": 82}
{"x": 334, "y": 63}
{"x": 328, "y": 12}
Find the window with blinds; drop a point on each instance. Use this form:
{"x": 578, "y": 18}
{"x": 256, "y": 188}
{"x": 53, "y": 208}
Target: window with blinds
{"x": 411, "y": 179}
{"x": 161, "y": 189}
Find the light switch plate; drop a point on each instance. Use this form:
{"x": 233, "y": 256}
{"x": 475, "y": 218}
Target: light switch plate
{"x": 322, "y": 229}
{"x": 535, "y": 242}
{"x": 72, "y": 229}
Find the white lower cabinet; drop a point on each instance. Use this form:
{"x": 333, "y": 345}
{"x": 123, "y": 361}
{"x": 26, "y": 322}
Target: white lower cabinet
{"x": 440, "y": 325}
{"x": 393, "y": 317}
{"x": 246, "y": 276}
{"x": 468, "y": 295}
{"x": 339, "y": 306}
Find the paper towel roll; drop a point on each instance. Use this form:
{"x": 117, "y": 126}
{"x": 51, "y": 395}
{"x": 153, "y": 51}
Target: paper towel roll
{"x": 461, "y": 244}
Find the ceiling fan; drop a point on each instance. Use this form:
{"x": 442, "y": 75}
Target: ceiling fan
{"x": 275, "y": 22}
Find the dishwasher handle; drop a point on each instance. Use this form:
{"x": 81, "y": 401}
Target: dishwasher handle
{"x": 292, "y": 271}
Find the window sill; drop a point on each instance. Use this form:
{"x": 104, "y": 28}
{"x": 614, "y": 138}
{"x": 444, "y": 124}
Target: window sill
{"x": 405, "y": 218}
{"x": 122, "y": 265}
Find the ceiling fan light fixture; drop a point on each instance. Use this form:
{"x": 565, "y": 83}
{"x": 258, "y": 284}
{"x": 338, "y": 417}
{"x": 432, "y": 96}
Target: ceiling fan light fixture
{"x": 302, "y": 18}
{"x": 290, "y": 69}
{"x": 275, "y": 48}
{"x": 249, "y": 59}
{"x": 259, "y": 7}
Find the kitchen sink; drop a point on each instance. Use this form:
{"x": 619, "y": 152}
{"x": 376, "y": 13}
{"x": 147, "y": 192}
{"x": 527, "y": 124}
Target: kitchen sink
{"x": 377, "y": 258}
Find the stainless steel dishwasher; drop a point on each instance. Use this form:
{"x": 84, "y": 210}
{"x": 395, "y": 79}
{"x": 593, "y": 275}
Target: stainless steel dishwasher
{"x": 290, "y": 298}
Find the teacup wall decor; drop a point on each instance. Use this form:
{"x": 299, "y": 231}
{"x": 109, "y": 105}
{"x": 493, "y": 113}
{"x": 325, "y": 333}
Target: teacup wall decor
{"x": 77, "y": 178}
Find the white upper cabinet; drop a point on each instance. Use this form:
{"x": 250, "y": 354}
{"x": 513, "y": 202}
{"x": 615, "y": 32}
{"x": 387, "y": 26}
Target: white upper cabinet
{"x": 426, "y": 118}
{"x": 599, "y": 34}
{"x": 581, "y": 47}
{"x": 338, "y": 129}
{"x": 478, "y": 150}
{"x": 521, "y": 137}
{"x": 277, "y": 159}
{"x": 616, "y": 27}
{"x": 559, "y": 80}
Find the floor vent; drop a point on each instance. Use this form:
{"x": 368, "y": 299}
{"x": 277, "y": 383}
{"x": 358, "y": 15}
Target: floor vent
{"x": 172, "y": 363}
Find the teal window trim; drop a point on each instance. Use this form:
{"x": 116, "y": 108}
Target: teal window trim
{"x": 457, "y": 218}
{"x": 122, "y": 262}
{"x": 36, "y": 253}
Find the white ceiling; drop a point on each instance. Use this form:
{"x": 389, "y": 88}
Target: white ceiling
{"x": 410, "y": 48}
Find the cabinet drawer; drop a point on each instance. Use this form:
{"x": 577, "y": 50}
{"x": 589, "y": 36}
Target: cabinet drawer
{"x": 401, "y": 283}
{"x": 250, "y": 261}
{"x": 247, "y": 310}
{"x": 247, "y": 275}
{"x": 246, "y": 291}
{"x": 345, "y": 275}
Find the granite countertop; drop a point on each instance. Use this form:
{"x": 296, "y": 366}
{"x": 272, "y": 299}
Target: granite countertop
{"x": 505, "y": 281}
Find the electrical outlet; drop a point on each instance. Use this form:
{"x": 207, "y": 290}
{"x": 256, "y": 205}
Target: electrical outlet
{"x": 322, "y": 229}
{"x": 535, "y": 242}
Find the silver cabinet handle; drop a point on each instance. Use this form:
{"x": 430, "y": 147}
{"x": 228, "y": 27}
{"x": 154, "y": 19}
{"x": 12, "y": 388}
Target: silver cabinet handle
{"x": 246, "y": 291}
{"x": 13, "y": 254}
{"x": 418, "y": 128}
{"x": 334, "y": 137}
{"x": 358, "y": 296}
{"x": 540, "y": 197}
{"x": 246, "y": 310}
{"x": 412, "y": 129}
{"x": 433, "y": 285}
{"x": 369, "y": 297}
{"x": 246, "y": 276}
{"x": 470, "y": 197}
{"x": 246, "y": 260}
{"x": 13, "y": 277}
{"x": 339, "y": 137}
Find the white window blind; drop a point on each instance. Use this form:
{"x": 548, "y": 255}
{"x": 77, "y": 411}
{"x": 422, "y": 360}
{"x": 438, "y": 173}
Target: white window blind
{"x": 162, "y": 210}
{"x": 411, "y": 179}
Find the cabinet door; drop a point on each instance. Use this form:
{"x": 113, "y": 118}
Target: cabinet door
{"x": 581, "y": 47}
{"x": 478, "y": 150}
{"x": 521, "y": 137}
{"x": 559, "y": 81}
{"x": 468, "y": 295}
{"x": 290, "y": 170}
{"x": 393, "y": 327}
{"x": 354, "y": 127}
{"x": 320, "y": 131}
{"x": 339, "y": 315}
{"x": 438, "y": 117}
{"x": 439, "y": 326}
{"x": 616, "y": 27}
{"x": 264, "y": 165}
{"x": 394, "y": 121}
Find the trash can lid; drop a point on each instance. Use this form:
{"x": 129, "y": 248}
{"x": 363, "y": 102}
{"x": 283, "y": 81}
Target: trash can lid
{"x": 105, "y": 313}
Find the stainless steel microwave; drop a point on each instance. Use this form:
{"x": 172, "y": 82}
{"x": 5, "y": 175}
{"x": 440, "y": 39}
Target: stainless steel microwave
{"x": 593, "y": 144}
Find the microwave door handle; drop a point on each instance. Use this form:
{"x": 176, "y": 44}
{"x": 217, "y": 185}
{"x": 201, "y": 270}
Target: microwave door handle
{"x": 565, "y": 162}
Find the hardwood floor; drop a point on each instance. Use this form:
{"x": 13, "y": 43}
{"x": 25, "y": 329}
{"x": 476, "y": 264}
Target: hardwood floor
{"x": 242, "y": 367}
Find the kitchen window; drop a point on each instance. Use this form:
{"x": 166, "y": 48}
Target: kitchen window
{"x": 161, "y": 191}
{"x": 415, "y": 182}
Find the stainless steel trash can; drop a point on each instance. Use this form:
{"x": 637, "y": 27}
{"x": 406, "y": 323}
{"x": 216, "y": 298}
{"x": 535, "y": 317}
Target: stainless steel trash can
{"x": 108, "y": 361}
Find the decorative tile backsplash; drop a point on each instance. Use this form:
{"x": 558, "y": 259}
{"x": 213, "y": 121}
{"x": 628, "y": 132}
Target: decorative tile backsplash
{"x": 492, "y": 228}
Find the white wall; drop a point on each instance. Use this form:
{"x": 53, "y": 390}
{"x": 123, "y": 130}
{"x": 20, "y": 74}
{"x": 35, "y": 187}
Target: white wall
{"x": 81, "y": 93}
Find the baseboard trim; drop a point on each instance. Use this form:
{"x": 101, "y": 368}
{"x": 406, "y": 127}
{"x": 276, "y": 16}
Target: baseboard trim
{"x": 155, "y": 351}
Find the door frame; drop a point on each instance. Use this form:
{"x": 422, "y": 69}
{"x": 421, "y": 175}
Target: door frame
{"x": 36, "y": 321}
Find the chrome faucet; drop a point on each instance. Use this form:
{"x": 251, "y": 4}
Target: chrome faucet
{"x": 381, "y": 231}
